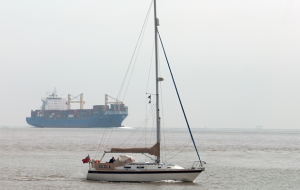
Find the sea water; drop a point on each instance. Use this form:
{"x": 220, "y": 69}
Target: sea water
{"x": 44, "y": 158}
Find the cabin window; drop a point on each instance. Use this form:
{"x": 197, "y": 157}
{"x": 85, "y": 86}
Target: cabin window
{"x": 140, "y": 167}
{"x": 158, "y": 167}
{"x": 127, "y": 167}
{"x": 168, "y": 167}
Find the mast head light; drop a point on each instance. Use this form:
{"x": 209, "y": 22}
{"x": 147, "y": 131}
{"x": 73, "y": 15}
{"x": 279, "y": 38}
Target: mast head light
{"x": 161, "y": 79}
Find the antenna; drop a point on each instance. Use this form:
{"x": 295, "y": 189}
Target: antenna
{"x": 54, "y": 92}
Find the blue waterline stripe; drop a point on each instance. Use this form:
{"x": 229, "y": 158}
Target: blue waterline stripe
{"x": 144, "y": 172}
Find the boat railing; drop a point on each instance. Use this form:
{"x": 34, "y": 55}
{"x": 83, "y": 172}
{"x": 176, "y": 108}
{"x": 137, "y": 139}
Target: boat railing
{"x": 198, "y": 164}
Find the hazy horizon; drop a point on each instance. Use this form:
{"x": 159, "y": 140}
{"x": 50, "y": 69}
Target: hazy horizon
{"x": 236, "y": 64}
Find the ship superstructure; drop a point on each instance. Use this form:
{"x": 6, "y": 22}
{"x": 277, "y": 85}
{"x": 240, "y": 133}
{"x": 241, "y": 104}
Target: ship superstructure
{"x": 56, "y": 112}
{"x": 54, "y": 102}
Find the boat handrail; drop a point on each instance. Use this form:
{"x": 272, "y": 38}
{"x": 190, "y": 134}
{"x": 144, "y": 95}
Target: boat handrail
{"x": 198, "y": 164}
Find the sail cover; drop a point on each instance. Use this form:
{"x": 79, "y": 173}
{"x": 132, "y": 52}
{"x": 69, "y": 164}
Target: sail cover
{"x": 154, "y": 150}
{"x": 123, "y": 160}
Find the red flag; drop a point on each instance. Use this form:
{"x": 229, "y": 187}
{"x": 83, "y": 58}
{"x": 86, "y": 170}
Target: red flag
{"x": 86, "y": 160}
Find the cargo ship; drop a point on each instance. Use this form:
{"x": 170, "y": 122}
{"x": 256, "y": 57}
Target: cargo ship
{"x": 56, "y": 112}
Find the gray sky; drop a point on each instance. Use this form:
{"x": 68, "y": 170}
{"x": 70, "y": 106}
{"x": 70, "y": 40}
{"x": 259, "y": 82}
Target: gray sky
{"x": 236, "y": 63}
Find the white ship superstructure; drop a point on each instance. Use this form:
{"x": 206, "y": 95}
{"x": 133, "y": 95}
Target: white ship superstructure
{"x": 54, "y": 102}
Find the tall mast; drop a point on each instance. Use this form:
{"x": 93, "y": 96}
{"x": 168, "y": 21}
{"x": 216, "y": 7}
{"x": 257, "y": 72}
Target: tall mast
{"x": 156, "y": 23}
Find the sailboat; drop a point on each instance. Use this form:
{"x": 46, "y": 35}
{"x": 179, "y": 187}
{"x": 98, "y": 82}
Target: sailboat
{"x": 126, "y": 169}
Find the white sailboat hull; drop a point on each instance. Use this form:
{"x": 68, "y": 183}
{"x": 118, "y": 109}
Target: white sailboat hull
{"x": 143, "y": 176}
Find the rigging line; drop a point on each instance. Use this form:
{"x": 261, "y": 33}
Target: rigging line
{"x": 162, "y": 108}
{"x": 148, "y": 156}
{"x": 135, "y": 131}
{"x": 179, "y": 97}
{"x": 146, "y": 92}
{"x": 105, "y": 137}
{"x": 184, "y": 145}
{"x": 187, "y": 142}
{"x": 146, "y": 124}
{"x": 153, "y": 124}
{"x": 147, "y": 16}
{"x": 108, "y": 138}
{"x": 100, "y": 143}
{"x": 152, "y": 129}
{"x": 145, "y": 121}
{"x": 138, "y": 128}
{"x": 178, "y": 147}
{"x": 150, "y": 115}
{"x": 134, "y": 64}
{"x": 179, "y": 151}
{"x": 104, "y": 141}
{"x": 150, "y": 67}
{"x": 131, "y": 134}
{"x": 163, "y": 119}
{"x": 141, "y": 138}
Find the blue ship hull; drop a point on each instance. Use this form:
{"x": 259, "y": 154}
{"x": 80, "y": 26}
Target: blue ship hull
{"x": 96, "y": 121}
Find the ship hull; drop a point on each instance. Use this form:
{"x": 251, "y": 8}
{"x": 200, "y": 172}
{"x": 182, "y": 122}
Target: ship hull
{"x": 92, "y": 122}
{"x": 144, "y": 176}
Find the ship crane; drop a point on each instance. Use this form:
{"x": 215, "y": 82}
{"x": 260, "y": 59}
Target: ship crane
{"x": 106, "y": 100}
{"x": 80, "y": 101}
